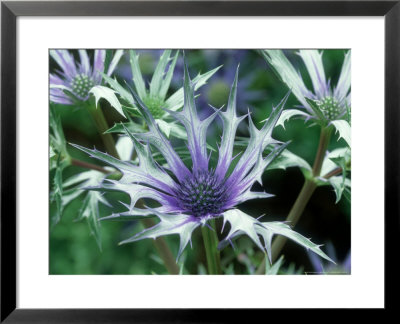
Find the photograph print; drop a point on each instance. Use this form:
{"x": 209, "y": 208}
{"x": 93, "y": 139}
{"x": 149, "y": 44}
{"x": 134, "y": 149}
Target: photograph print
{"x": 200, "y": 161}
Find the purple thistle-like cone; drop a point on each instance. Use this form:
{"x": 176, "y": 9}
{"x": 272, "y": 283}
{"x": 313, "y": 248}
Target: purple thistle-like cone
{"x": 190, "y": 196}
{"x": 73, "y": 82}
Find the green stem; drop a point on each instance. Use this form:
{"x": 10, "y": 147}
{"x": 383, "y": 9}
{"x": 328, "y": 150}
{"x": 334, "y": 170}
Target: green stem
{"x": 334, "y": 172}
{"x": 102, "y": 126}
{"x": 211, "y": 246}
{"x": 88, "y": 165}
{"x": 294, "y": 215}
{"x": 304, "y": 196}
{"x": 324, "y": 139}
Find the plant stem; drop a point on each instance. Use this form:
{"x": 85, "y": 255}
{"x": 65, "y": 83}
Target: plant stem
{"x": 334, "y": 172}
{"x": 88, "y": 165}
{"x": 160, "y": 244}
{"x": 163, "y": 250}
{"x": 326, "y": 133}
{"x": 211, "y": 246}
{"x": 304, "y": 196}
{"x": 102, "y": 126}
{"x": 294, "y": 215}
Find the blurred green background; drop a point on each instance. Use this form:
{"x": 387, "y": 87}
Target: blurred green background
{"x": 74, "y": 251}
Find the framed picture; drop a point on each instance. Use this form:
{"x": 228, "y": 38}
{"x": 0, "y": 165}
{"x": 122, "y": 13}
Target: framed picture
{"x": 179, "y": 155}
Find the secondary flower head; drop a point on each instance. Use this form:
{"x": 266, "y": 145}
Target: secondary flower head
{"x": 74, "y": 81}
{"x": 189, "y": 196}
{"x": 324, "y": 102}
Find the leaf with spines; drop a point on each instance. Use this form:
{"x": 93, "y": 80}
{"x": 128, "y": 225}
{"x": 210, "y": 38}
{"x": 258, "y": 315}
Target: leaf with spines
{"x": 137, "y": 78}
{"x": 344, "y": 130}
{"x": 230, "y": 122}
{"x": 57, "y": 194}
{"x": 347, "y": 194}
{"x": 74, "y": 187}
{"x": 171, "y": 129}
{"x": 52, "y": 153}
{"x": 339, "y": 186}
{"x": 291, "y": 113}
{"x": 58, "y": 144}
{"x": 288, "y": 74}
{"x": 317, "y": 111}
{"x": 338, "y": 158}
{"x": 169, "y": 224}
{"x": 119, "y": 89}
{"x": 149, "y": 175}
{"x": 196, "y": 129}
{"x": 124, "y": 148}
{"x": 259, "y": 140}
{"x": 59, "y": 160}
{"x": 342, "y": 161}
{"x": 243, "y": 224}
{"x": 102, "y": 92}
{"x": 132, "y": 126}
{"x": 161, "y": 79}
{"x": 288, "y": 159}
{"x": 175, "y": 101}
{"x": 90, "y": 212}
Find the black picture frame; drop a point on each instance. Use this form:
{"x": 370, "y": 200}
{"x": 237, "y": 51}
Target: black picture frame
{"x": 11, "y": 10}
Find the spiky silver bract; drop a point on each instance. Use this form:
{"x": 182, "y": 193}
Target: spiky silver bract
{"x": 190, "y": 196}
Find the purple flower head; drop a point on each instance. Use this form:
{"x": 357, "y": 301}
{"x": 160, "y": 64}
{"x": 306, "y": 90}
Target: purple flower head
{"x": 73, "y": 82}
{"x": 189, "y": 196}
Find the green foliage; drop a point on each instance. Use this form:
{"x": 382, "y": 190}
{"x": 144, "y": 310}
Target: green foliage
{"x": 58, "y": 145}
{"x": 57, "y": 194}
{"x": 318, "y": 112}
{"x": 288, "y": 159}
{"x": 63, "y": 191}
{"x": 74, "y": 187}
{"x": 338, "y": 158}
{"x": 59, "y": 160}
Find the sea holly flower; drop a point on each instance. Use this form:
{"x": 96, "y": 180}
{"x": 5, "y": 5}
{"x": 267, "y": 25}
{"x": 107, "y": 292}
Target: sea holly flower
{"x": 74, "y": 81}
{"x": 155, "y": 95}
{"x": 323, "y": 104}
{"x": 190, "y": 197}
